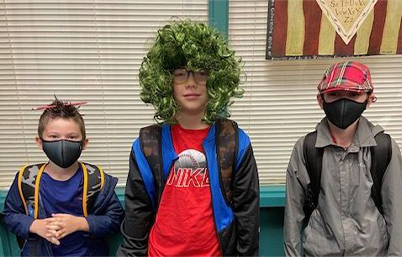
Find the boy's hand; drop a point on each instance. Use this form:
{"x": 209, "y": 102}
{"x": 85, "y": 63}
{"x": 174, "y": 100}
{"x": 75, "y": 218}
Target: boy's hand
{"x": 65, "y": 224}
{"x": 39, "y": 227}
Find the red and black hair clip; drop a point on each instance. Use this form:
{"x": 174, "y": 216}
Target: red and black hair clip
{"x": 45, "y": 107}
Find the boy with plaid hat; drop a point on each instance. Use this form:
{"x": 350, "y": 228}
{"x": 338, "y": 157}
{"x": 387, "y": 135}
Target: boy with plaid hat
{"x": 345, "y": 218}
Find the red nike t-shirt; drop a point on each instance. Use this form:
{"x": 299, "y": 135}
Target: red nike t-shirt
{"x": 184, "y": 225}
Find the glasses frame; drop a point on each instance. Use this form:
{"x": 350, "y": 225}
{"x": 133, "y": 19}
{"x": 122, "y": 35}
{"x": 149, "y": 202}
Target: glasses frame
{"x": 196, "y": 75}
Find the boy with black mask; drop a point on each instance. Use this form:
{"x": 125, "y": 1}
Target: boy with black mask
{"x": 344, "y": 213}
{"x": 62, "y": 207}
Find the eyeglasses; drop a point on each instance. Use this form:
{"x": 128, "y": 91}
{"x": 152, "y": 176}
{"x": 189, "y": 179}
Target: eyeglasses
{"x": 181, "y": 75}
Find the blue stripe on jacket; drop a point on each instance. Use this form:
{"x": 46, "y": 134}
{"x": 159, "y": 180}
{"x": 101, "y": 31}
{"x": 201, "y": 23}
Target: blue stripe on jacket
{"x": 146, "y": 173}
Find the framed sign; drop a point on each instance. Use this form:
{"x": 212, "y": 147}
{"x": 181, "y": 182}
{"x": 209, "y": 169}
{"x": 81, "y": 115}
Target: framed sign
{"x": 314, "y": 28}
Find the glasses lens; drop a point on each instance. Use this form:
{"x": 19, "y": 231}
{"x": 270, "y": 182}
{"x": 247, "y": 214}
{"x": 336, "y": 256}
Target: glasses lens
{"x": 180, "y": 75}
{"x": 201, "y": 76}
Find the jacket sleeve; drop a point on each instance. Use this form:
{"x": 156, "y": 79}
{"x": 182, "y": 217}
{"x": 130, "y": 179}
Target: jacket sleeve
{"x": 391, "y": 192}
{"x": 14, "y": 213}
{"x": 139, "y": 215}
{"x": 295, "y": 197}
{"x": 246, "y": 205}
{"x": 108, "y": 211}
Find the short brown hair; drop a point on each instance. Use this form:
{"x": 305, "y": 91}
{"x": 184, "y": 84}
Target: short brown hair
{"x": 64, "y": 110}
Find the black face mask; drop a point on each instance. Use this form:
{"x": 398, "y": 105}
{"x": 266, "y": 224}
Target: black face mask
{"x": 343, "y": 112}
{"x": 63, "y": 153}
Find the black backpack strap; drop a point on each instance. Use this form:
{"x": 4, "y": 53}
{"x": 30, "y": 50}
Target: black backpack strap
{"x": 94, "y": 180}
{"x": 380, "y": 158}
{"x": 226, "y": 136}
{"x": 313, "y": 158}
{"x": 150, "y": 140}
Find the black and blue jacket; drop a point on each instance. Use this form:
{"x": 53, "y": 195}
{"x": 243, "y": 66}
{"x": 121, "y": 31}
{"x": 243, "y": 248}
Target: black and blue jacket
{"x": 104, "y": 219}
{"x": 236, "y": 219}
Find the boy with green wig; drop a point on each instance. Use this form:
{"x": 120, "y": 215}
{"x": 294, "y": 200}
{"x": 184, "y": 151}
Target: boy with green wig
{"x": 192, "y": 187}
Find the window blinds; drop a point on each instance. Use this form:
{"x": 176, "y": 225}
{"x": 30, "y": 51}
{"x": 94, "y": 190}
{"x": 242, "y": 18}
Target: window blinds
{"x": 79, "y": 50}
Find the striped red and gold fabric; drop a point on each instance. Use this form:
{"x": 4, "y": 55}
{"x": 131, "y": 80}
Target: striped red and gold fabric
{"x": 299, "y": 28}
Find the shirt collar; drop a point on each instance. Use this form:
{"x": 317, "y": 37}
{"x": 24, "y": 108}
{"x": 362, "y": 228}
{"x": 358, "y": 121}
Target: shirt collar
{"x": 364, "y": 136}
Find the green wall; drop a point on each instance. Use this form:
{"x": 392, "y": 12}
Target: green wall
{"x": 272, "y": 201}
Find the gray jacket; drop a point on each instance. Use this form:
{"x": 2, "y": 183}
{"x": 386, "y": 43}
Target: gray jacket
{"x": 346, "y": 221}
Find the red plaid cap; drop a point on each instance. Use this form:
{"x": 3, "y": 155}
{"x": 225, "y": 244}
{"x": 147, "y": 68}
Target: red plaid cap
{"x": 346, "y": 76}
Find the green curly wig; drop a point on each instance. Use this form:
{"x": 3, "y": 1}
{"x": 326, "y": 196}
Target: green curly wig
{"x": 197, "y": 46}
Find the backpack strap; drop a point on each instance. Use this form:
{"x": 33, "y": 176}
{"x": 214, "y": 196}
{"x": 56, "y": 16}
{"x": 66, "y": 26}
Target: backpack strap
{"x": 150, "y": 140}
{"x": 226, "y": 137}
{"x": 313, "y": 157}
{"x": 380, "y": 158}
{"x": 28, "y": 187}
{"x": 94, "y": 180}
{"x": 29, "y": 179}
{"x": 27, "y": 182}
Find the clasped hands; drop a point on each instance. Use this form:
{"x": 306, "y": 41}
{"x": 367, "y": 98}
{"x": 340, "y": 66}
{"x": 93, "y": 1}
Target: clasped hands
{"x": 58, "y": 226}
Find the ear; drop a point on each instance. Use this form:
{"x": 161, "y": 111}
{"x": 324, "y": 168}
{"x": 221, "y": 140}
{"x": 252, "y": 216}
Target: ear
{"x": 38, "y": 142}
{"x": 371, "y": 99}
{"x": 85, "y": 144}
{"x": 319, "y": 100}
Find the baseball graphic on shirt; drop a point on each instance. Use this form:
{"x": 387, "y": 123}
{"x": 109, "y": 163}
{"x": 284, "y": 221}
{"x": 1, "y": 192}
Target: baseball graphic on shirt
{"x": 190, "y": 158}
